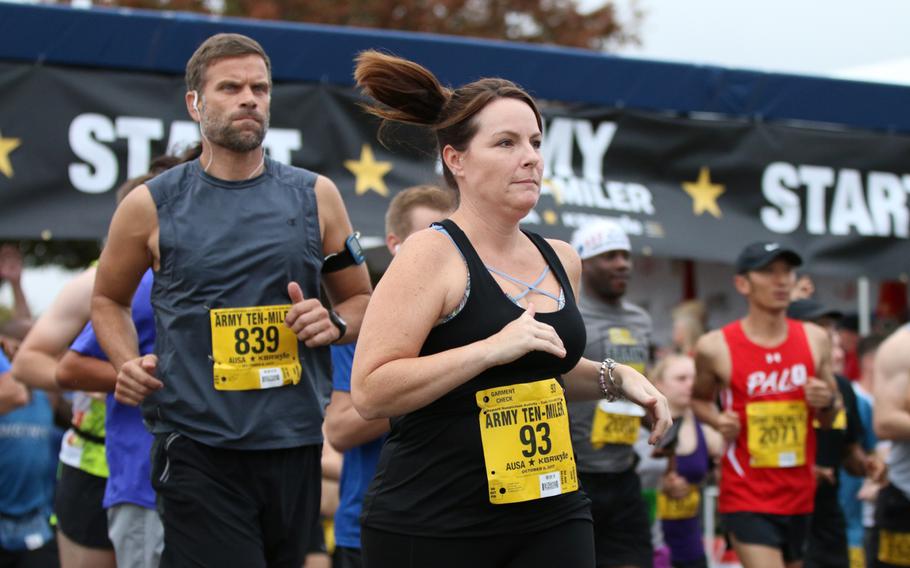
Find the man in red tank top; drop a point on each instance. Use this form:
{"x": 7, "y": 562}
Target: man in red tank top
{"x": 773, "y": 376}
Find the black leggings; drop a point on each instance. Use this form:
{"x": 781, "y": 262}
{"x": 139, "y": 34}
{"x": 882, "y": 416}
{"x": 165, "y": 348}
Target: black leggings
{"x": 568, "y": 544}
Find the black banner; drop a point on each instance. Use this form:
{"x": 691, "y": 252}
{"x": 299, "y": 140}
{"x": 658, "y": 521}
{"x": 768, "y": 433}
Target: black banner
{"x": 696, "y": 188}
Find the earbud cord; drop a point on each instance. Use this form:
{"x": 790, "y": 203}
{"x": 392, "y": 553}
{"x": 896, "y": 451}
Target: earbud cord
{"x": 261, "y": 163}
{"x": 202, "y": 130}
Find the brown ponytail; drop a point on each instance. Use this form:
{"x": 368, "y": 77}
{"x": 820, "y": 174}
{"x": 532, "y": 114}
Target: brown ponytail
{"x": 408, "y": 92}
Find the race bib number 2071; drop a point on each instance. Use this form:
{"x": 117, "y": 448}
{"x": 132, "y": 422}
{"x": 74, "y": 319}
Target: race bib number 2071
{"x": 777, "y": 433}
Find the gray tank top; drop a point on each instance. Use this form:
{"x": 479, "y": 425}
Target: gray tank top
{"x": 622, "y": 333}
{"x": 234, "y": 244}
{"x": 899, "y": 461}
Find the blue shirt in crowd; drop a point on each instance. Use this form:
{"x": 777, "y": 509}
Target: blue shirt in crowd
{"x": 127, "y": 442}
{"x": 359, "y": 463}
{"x": 27, "y": 456}
{"x": 850, "y": 484}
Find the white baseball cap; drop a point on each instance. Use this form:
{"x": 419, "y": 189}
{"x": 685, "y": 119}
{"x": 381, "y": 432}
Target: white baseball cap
{"x": 600, "y": 237}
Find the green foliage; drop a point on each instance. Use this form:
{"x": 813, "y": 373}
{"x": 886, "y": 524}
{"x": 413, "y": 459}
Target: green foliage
{"x": 537, "y": 21}
{"x": 69, "y": 254}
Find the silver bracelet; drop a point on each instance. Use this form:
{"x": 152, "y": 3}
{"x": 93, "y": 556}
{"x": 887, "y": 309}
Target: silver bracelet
{"x": 613, "y": 390}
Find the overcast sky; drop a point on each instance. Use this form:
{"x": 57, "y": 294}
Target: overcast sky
{"x": 824, "y": 37}
{"x": 821, "y": 37}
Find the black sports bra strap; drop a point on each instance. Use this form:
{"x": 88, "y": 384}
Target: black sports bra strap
{"x": 555, "y": 264}
{"x": 475, "y": 264}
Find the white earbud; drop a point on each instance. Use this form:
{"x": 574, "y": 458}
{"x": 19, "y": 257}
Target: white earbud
{"x": 201, "y": 132}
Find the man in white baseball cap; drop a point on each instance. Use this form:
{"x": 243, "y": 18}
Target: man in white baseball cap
{"x": 600, "y": 237}
{"x": 603, "y": 433}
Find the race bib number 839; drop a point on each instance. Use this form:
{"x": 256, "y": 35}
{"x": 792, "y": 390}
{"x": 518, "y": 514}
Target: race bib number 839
{"x": 253, "y": 349}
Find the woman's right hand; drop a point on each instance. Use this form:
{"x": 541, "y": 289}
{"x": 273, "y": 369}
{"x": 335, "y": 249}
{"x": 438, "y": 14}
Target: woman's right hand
{"x": 674, "y": 485}
{"x": 521, "y": 336}
{"x": 728, "y": 425}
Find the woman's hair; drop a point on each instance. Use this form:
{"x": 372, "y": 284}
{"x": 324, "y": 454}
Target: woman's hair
{"x": 409, "y": 93}
{"x": 689, "y": 319}
{"x": 660, "y": 369}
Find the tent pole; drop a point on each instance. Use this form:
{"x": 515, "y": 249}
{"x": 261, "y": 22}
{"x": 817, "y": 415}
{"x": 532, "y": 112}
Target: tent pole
{"x": 862, "y": 302}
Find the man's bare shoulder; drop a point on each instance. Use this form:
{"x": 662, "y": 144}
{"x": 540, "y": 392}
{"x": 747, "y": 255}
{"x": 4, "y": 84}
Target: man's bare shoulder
{"x": 892, "y": 386}
{"x": 819, "y": 341}
{"x": 816, "y": 334}
{"x": 329, "y": 202}
{"x": 712, "y": 356}
{"x": 894, "y": 352}
{"x": 711, "y": 344}
{"x": 67, "y": 314}
{"x": 138, "y": 206}
{"x": 72, "y": 303}
{"x": 79, "y": 286}
{"x": 325, "y": 188}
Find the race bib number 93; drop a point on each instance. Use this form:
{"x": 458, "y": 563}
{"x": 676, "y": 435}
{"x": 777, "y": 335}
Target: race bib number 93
{"x": 527, "y": 448}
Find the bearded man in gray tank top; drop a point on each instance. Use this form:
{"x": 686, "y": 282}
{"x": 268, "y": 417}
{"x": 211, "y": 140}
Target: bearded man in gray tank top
{"x": 891, "y": 537}
{"x": 603, "y": 433}
{"x": 235, "y": 391}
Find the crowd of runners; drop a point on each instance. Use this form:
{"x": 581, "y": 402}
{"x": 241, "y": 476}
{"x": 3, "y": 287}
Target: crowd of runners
{"x": 493, "y": 402}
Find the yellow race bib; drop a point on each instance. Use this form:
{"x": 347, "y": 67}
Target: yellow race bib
{"x": 840, "y": 421}
{"x": 527, "y": 449}
{"x": 678, "y": 509}
{"x": 894, "y": 547}
{"x": 777, "y": 433}
{"x": 253, "y": 349}
{"x": 615, "y": 422}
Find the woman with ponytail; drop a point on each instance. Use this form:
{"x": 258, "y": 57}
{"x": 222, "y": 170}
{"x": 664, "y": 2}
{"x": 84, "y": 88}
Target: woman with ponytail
{"x": 471, "y": 343}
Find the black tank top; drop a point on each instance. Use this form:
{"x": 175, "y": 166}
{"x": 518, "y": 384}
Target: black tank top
{"x": 431, "y": 480}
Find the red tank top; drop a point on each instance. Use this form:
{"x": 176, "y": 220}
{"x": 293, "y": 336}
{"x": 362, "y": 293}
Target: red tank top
{"x": 768, "y": 469}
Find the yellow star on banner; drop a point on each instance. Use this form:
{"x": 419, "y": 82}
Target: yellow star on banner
{"x": 704, "y": 194}
{"x": 7, "y": 145}
{"x": 369, "y": 172}
{"x": 553, "y": 189}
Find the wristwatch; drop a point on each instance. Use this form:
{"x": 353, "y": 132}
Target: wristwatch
{"x": 351, "y": 255}
{"x": 339, "y": 323}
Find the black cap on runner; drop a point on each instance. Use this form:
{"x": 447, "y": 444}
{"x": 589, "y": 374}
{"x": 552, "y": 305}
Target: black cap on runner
{"x": 811, "y": 310}
{"x": 759, "y": 255}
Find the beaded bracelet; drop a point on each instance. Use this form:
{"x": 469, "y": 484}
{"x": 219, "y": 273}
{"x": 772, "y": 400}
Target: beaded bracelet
{"x": 614, "y": 390}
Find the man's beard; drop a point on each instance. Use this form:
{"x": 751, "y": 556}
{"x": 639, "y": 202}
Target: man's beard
{"x": 223, "y": 133}
{"x": 607, "y": 289}
{"x": 611, "y": 293}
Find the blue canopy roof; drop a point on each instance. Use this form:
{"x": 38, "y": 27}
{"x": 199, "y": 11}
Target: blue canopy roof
{"x": 162, "y": 42}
